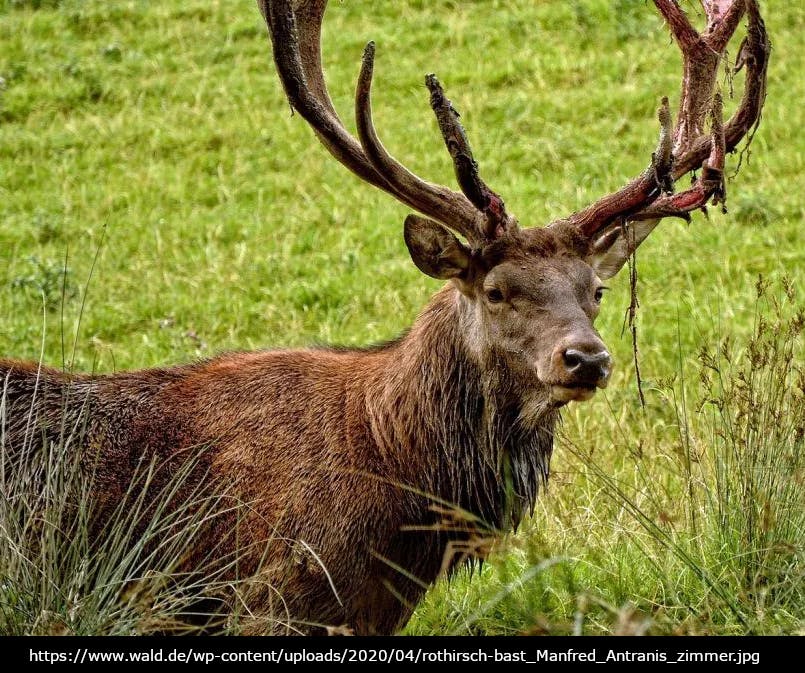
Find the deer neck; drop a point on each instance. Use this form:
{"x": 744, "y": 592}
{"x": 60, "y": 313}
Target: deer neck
{"x": 459, "y": 425}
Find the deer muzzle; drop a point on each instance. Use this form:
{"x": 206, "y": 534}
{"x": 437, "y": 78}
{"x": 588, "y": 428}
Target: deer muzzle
{"x": 578, "y": 371}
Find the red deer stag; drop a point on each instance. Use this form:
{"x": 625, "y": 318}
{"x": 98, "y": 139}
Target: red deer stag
{"x": 349, "y": 459}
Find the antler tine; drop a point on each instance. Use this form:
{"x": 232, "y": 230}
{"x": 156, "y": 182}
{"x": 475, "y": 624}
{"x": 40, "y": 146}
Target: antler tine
{"x": 466, "y": 168}
{"x": 441, "y": 203}
{"x": 701, "y": 55}
{"x": 692, "y": 147}
{"x": 295, "y": 29}
{"x": 709, "y": 185}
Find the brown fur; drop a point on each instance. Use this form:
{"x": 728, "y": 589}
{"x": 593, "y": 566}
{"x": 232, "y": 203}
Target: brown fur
{"x": 344, "y": 451}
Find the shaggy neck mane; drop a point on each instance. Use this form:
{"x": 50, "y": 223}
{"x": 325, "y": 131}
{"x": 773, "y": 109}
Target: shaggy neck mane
{"x": 455, "y": 428}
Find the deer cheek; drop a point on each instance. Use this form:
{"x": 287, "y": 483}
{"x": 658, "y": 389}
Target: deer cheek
{"x": 543, "y": 367}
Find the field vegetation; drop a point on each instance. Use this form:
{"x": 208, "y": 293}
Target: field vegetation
{"x": 159, "y": 203}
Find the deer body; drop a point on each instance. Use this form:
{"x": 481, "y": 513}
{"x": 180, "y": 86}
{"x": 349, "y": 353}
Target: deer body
{"x": 342, "y": 450}
{"x": 345, "y": 463}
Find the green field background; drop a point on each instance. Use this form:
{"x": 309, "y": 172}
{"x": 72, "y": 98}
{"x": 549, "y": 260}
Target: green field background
{"x": 148, "y": 148}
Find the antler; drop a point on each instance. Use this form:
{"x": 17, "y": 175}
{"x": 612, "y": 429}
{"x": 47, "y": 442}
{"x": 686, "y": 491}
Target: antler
{"x": 295, "y": 29}
{"x": 649, "y": 197}
{"x": 479, "y": 213}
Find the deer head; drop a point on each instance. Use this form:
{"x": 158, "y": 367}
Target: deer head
{"x": 529, "y": 296}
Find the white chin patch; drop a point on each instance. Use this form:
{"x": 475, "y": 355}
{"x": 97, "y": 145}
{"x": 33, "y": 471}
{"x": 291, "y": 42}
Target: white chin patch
{"x": 563, "y": 394}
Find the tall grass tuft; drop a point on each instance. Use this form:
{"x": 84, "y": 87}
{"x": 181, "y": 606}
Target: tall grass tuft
{"x": 726, "y": 501}
{"x": 63, "y": 572}
{"x": 749, "y": 485}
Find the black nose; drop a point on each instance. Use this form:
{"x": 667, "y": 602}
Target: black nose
{"x": 588, "y": 368}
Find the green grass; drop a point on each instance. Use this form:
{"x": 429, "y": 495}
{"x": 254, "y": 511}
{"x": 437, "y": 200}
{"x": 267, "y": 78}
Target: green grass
{"x": 158, "y": 134}
{"x": 61, "y": 576}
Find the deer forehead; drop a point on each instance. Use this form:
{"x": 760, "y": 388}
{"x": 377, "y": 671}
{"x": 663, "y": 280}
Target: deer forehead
{"x": 542, "y": 278}
{"x": 539, "y": 263}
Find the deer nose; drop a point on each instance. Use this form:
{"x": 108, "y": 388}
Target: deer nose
{"x": 589, "y": 368}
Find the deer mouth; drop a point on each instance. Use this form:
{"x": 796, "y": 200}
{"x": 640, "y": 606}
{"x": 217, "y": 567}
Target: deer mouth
{"x": 577, "y": 392}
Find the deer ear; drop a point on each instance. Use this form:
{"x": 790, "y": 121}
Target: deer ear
{"x": 434, "y": 249}
{"x": 612, "y": 248}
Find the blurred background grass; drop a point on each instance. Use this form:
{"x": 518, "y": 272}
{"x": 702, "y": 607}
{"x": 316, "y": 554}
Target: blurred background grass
{"x": 157, "y": 134}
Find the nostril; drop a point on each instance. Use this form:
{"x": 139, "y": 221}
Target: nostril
{"x": 593, "y": 366}
{"x": 573, "y": 358}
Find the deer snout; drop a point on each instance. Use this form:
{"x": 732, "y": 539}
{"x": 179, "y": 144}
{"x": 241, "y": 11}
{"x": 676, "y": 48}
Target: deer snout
{"x": 586, "y": 368}
{"x": 578, "y": 369}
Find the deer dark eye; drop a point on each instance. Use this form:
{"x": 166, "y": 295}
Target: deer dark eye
{"x": 599, "y": 294}
{"x": 494, "y": 295}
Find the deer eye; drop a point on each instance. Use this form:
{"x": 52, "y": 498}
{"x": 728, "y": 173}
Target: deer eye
{"x": 599, "y": 294}
{"x": 494, "y": 296}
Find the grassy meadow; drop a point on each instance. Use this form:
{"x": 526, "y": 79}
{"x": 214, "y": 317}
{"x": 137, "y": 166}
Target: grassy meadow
{"x": 147, "y": 149}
